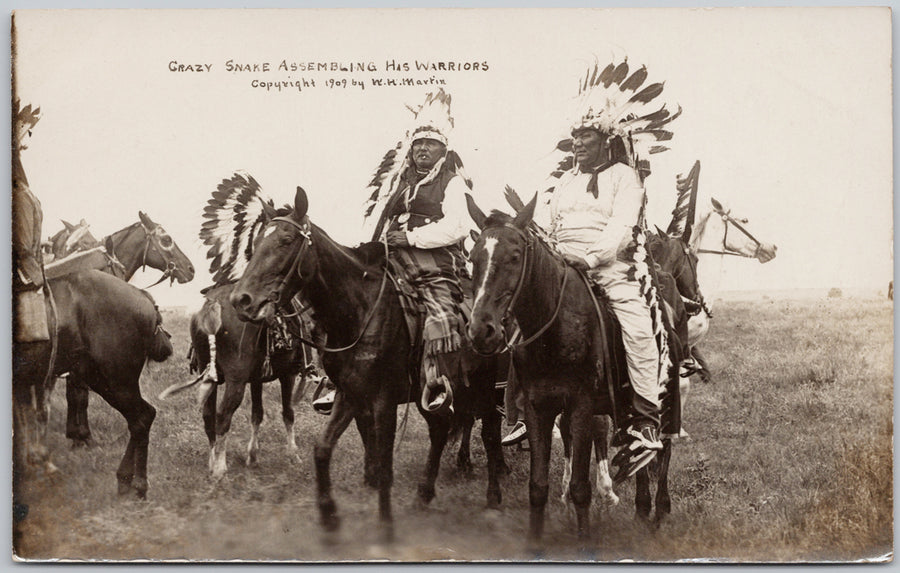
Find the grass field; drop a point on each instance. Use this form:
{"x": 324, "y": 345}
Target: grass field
{"x": 790, "y": 459}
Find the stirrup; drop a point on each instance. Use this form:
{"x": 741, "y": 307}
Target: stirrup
{"x": 324, "y": 404}
{"x": 438, "y": 398}
{"x": 634, "y": 465}
{"x": 516, "y": 436}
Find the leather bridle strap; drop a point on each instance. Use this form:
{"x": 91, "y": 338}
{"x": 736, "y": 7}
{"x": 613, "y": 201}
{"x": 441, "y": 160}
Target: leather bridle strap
{"x": 304, "y": 230}
{"x": 725, "y": 250}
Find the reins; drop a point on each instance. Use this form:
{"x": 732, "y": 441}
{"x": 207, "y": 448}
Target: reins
{"x": 725, "y": 250}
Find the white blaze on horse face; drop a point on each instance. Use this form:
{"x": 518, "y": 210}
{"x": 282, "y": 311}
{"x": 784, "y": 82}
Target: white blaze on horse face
{"x": 490, "y": 243}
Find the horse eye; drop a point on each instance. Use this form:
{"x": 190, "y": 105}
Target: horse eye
{"x": 165, "y": 241}
{"x": 745, "y": 221}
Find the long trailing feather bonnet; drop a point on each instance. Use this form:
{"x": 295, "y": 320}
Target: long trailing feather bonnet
{"x": 430, "y": 120}
{"x": 232, "y": 217}
{"x": 621, "y": 105}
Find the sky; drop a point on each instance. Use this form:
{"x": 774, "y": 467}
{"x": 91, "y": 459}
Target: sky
{"x": 788, "y": 111}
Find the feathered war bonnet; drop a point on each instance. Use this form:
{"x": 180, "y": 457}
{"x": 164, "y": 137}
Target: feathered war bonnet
{"x": 431, "y": 120}
{"x": 23, "y": 121}
{"x": 625, "y": 109}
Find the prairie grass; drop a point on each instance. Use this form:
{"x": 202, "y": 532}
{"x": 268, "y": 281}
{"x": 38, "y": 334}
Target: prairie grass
{"x": 790, "y": 459}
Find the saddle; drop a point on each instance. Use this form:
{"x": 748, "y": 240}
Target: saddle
{"x": 619, "y": 387}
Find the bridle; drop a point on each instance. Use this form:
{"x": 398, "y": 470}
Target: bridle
{"x": 276, "y": 295}
{"x": 727, "y": 218}
{"x": 526, "y": 264}
{"x": 171, "y": 265}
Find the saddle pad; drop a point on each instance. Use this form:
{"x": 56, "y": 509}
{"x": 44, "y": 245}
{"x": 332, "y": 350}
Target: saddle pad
{"x": 95, "y": 259}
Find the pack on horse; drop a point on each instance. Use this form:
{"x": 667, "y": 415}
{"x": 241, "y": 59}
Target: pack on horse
{"x": 70, "y": 239}
{"x": 103, "y": 331}
{"x": 227, "y": 351}
{"x": 369, "y": 355}
{"x": 143, "y": 243}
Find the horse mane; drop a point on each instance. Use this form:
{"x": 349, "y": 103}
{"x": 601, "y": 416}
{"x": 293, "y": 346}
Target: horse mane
{"x": 370, "y": 254}
{"x": 699, "y": 231}
{"x": 498, "y": 219}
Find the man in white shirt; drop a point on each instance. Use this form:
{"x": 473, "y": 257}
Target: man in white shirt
{"x": 593, "y": 217}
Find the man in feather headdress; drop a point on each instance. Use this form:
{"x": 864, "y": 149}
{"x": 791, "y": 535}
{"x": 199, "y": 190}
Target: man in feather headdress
{"x": 594, "y": 218}
{"x": 419, "y": 200}
{"x": 30, "y": 318}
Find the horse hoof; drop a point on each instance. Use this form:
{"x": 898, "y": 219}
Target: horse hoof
{"x": 331, "y": 523}
{"x": 426, "y": 493}
{"x": 252, "y": 461}
{"x": 504, "y": 470}
{"x": 464, "y": 466}
{"x": 79, "y": 443}
{"x": 386, "y": 533}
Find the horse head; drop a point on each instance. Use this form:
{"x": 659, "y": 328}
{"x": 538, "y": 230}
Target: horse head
{"x": 72, "y": 239}
{"x": 721, "y": 232}
{"x": 161, "y": 252}
{"x": 499, "y": 262}
{"x": 280, "y": 262}
{"x": 675, "y": 257}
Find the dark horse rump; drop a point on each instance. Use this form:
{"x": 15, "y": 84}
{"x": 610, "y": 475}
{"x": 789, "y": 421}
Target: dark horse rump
{"x": 105, "y": 331}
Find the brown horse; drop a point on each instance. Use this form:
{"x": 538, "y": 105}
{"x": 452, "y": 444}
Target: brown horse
{"x": 240, "y": 354}
{"x": 559, "y": 363}
{"x": 103, "y": 330}
{"x": 370, "y": 359}
{"x": 144, "y": 243}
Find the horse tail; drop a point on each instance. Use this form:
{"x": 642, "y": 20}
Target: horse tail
{"x": 161, "y": 344}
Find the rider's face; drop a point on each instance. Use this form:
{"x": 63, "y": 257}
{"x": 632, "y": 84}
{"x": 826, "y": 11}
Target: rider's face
{"x": 427, "y": 152}
{"x": 588, "y": 145}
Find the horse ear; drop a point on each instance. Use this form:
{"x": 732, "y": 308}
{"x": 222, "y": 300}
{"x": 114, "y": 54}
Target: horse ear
{"x": 660, "y": 232}
{"x": 716, "y": 205}
{"x": 301, "y": 203}
{"x": 109, "y": 246}
{"x": 69, "y": 226}
{"x": 474, "y": 235}
{"x": 475, "y": 212}
{"x": 146, "y": 220}
{"x": 269, "y": 210}
{"x": 523, "y": 217}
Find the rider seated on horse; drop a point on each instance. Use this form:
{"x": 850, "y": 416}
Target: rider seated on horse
{"x": 424, "y": 220}
{"x": 593, "y": 217}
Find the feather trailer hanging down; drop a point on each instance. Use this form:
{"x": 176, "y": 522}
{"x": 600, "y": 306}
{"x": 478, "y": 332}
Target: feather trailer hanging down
{"x": 232, "y": 217}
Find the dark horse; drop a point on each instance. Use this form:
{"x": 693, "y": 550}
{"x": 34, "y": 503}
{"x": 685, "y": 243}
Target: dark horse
{"x": 559, "y": 361}
{"x": 143, "y": 243}
{"x": 240, "y": 355}
{"x": 105, "y": 330}
{"x": 356, "y": 304}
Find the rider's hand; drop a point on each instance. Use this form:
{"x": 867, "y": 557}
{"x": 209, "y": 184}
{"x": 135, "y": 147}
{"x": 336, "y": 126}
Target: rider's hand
{"x": 576, "y": 262}
{"x": 397, "y": 239}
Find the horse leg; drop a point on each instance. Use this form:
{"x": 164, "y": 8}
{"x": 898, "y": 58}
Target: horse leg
{"x": 365, "y": 424}
{"x": 663, "y": 501}
{"x": 77, "y": 428}
{"x": 565, "y": 430}
{"x": 209, "y": 421}
{"x": 490, "y": 437}
{"x": 341, "y": 415}
{"x": 438, "y": 429}
{"x": 231, "y": 399}
{"x": 126, "y": 399}
{"x": 642, "y": 500}
{"x": 703, "y": 372}
{"x": 605, "y": 493}
{"x": 385, "y": 429}
{"x": 582, "y": 442}
{"x": 464, "y": 457}
{"x": 540, "y": 434}
{"x": 287, "y": 412}
{"x": 256, "y": 418}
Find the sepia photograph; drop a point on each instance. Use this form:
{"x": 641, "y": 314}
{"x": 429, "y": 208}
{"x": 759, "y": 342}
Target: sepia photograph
{"x": 574, "y": 285}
